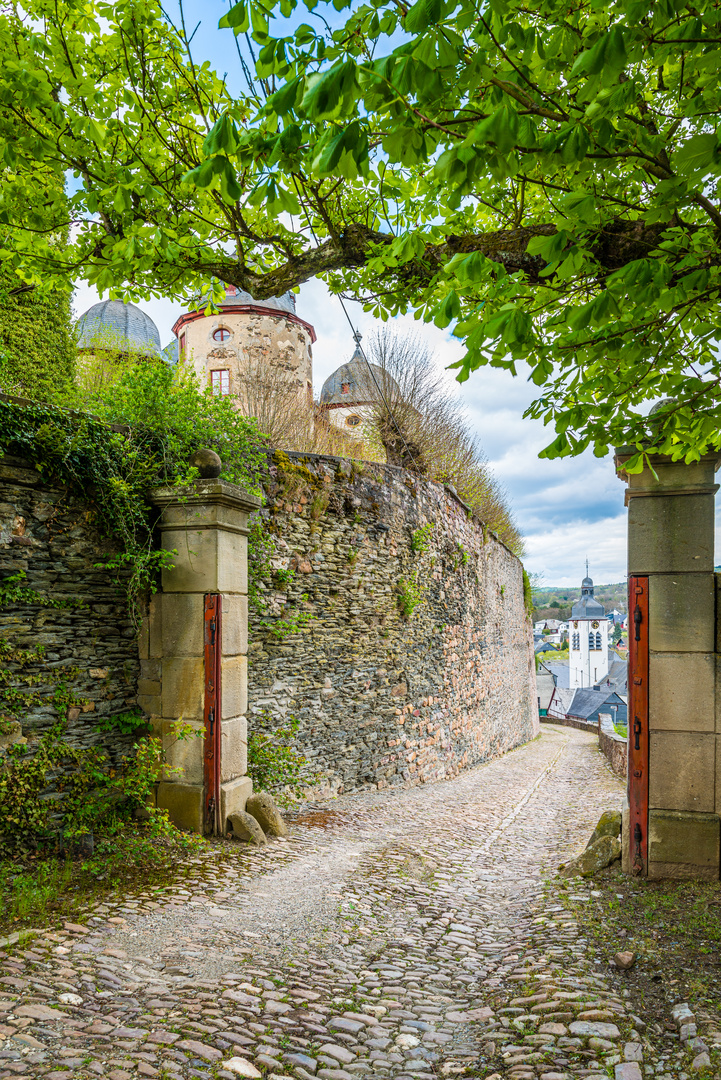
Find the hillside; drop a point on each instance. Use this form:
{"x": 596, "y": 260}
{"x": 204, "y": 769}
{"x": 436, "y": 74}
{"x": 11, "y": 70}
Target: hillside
{"x": 555, "y": 602}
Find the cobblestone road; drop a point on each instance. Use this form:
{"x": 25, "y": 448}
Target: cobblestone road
{"x": 394, "y": 934}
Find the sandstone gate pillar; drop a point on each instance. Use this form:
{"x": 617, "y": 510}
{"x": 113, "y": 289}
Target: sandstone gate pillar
{"x": 674, "y": 722}
{"x": 193, "y": 652}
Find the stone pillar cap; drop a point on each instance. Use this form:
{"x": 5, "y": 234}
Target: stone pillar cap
{"x": 206, "y": 491}
{"x": 623, "y": 453}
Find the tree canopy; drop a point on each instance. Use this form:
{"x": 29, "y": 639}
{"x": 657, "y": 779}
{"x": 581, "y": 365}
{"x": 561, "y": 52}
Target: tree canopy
{"x": 542, "y": 177}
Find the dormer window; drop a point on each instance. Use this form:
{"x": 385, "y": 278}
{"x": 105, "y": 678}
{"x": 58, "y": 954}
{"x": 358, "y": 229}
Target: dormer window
{"x": 345, "y": 388}
{"x": 221, "y": 334}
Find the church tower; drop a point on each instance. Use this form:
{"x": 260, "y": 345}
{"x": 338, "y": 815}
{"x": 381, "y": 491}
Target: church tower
{"x": 587, "y": 639}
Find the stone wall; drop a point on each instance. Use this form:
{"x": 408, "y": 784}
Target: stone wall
{"x": 383, "y": 699}
{"x": 613, "y": 745}
{"x": 89, "y": 642}
{"x": 568, "y": 721}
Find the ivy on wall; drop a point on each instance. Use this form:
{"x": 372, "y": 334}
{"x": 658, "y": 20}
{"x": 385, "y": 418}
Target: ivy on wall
{"x": 37, "y": 341}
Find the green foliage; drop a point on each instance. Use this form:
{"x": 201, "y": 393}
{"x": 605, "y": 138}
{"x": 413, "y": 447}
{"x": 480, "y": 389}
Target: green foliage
{"x": 27, "y": 682}
{"x": 617, "y": 634}
{"x": 93, "y": 794}
{"x": 260, "y": 568}
{"x": 273, "y": 764}
{"x": 409, "y": 594}
{"x": 421, "y": 538}
{"x": 165, "y": 417}
{"x": 552, "y": 175}
{"x": 13, "y": 592}
{"x": 37, "y": 348}
{"x": 131, "y": 722}
{"x": 527, "y": 593}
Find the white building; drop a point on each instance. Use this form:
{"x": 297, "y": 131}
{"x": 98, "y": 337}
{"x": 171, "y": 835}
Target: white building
{"x": 587, "y": 639}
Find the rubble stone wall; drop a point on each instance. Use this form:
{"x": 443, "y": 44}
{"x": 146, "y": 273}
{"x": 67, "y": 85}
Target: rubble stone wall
{"x": 381, "y": 698}
{"x": 89, "y": 641}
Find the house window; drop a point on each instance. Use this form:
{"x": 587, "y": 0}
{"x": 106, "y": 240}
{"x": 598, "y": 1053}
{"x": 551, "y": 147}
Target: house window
{"x": 220, "y": 382}
{"x": 345, "y": 388}
{"x": 353, "y": 421}
{"x": 221, "y": 334}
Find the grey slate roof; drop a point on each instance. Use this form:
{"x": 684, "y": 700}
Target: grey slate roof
{"x": 170, "y": 352}
{"x": 113, "y": 322}
{"x": 286, "y": 302}
{"x": 586, "y": 702}
{"x": 561, "y": 673}
{"x": 361, "y": 385}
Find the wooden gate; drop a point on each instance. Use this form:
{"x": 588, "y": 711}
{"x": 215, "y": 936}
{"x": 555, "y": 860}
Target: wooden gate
{"x": 212, "y": 713}
{"x": 638, "y": 723}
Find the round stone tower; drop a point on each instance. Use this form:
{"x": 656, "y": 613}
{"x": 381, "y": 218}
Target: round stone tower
{"x": 246, "y": 340}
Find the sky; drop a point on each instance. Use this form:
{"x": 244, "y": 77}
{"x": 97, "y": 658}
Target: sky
{"x": 568, "y": 510}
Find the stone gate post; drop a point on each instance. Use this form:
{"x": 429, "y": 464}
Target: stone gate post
{"x": 671, "y": 550}
{"x": 206, "y": 523}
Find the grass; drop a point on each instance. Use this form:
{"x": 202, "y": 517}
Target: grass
{"x": 42, "y": 889}
{"x": 674, "y": 927}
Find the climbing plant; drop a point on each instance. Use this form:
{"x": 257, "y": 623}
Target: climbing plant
{"x": 140, "y": 434}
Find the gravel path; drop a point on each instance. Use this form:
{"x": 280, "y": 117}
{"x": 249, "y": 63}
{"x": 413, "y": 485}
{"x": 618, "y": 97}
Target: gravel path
{"x": 396, "y": 934}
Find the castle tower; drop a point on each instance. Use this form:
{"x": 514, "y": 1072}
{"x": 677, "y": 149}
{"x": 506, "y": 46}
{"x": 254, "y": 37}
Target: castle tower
{"x": 247, "y": 341}
{"x": 587, "y": 639}
{"x": 350, "y": 395}
{"x": 112, "y": 333}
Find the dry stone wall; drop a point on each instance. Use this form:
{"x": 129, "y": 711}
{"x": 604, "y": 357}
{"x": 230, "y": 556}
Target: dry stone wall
{"x": 379, "y": 698}
{"x": 90, "y": 650}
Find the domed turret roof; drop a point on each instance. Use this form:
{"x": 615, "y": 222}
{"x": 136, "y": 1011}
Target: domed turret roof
{"x": 113, "y": 324}
{"x": 354, "y": 384}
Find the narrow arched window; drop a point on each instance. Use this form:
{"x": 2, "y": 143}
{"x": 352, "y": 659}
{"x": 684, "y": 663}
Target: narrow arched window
{"x": 598, "y": 640}
{"x": 591, "y": 640}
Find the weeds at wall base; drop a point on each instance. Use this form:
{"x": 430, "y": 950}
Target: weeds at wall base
{"x": 42, "y": 889}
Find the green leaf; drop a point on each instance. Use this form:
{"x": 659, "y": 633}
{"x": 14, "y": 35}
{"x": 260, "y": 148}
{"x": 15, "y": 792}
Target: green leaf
{"x": 697, "y": 153}
{"x": 423, "y": 14}
{"x": 237, "y": 19}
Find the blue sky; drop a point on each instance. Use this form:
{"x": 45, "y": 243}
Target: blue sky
{"x": 568, "y": 510}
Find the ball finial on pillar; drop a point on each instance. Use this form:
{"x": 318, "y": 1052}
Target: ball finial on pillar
{"x": 208, "y": 464}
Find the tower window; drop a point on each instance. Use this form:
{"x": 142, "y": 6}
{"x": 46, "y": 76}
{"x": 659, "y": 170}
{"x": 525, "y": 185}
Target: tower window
{"x": 576, "y": 643}
{"x": 181, "y": 347}
{"x": 220, "y": 382}
{"x": 353, "y": 421}
{"x": 221, "y": 334}
{"x": 591, "y": 640}
{"x": 345, "y": 388}
{"x": 598, "y": 640}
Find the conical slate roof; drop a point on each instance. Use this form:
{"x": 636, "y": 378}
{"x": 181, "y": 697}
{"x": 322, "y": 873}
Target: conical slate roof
{"x": 115, "y": 324}
{"x": 234, "y": 296}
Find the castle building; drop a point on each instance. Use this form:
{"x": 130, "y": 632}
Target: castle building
{"x": 244, "y": 344}
{"x": 245, "y": 341}
{"x": 587, "y": 639}
{"x": 350, "y": 395}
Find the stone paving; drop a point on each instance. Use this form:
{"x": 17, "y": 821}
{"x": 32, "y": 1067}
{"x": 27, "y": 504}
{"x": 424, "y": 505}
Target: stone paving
{"x": 395, "y": 934}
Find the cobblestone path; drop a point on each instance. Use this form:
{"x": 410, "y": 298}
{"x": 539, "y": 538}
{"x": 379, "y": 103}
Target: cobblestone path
{"x": 394, "y": 934}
